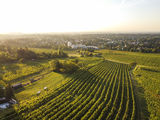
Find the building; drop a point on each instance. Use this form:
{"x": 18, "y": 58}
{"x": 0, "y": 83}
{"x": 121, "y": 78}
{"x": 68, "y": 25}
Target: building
{"x": 76, "y": 46}
{"x": 92, "y": 47}
{"x": 69, "y": 44}
{"x": 4, "y": 105}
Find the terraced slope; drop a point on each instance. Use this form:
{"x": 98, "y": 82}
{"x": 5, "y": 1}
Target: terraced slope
{"x": 103, "y": 92}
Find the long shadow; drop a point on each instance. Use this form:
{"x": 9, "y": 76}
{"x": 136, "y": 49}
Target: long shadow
{"x": 79, "y": 75}
{"x": 81, "y": 78}
{"x": 10, "y": 66}
{"x": 141, "y": 103}
{"x": 19, "y": 90}
{"x": 24, "y": 77}
{"x": 35, "y": 63}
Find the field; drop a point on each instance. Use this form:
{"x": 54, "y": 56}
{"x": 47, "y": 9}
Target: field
{"x": 146, "y": 79}
{"x": 105, "y": 88}
{"x": 146, "y": 59}
{"x": 149, "y": 80}
{"x": 91, "y": 94}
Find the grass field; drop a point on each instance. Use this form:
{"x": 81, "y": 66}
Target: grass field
{"x": 23, "y": 72}
{"x": 15, "y": 72}
{"x": 149, "y": 79}
{"x": 51, "y": 81}
{"x": 100, "y": 90}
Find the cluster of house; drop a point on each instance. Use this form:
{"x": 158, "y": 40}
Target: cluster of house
{"x": 80, "y": 46}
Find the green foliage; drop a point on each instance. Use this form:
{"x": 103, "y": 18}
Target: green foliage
{"x": 22, "y": 54}
{"x": 148, "y": 78}
{"x": 146, "y": 74}
{"x": 86, "y": 53}
{"x": 158, "y": 92}
{"x": 55, "y": 65}
{"x": 98, "y": 93}
{"x": 9, "y": 92}
{"x": 5, "y": 57}
{"x": 64, "y": 67}
{"x": 2, "y": 92}
{"x": 147, "y": 59}
{"x": 26, "y": 54}
{"x": 69, "y": 67}
{"x": 133, "y": 64}
{"x": 21, "y": 60}
{"x": 102, "y": 91}
{"x": 75, "y": 61}
{"x": 56, "y": 54}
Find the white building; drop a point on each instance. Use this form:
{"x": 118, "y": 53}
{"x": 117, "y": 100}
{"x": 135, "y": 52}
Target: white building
{"x": 78, "y": 46}
{"x": 4, "y": 105}
{"x": 69, "y": 44}
{"x": 92, "y": 47}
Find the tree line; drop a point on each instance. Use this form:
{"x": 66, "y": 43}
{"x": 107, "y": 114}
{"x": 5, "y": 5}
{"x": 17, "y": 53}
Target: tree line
{"x": 68, "y": 66}
{"x": 8, "y": 54}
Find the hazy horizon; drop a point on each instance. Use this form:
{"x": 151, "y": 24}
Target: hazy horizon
{"x": 60, "y": 16}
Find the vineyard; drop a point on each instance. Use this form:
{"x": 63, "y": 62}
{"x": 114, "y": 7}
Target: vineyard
{"x": 102, "y": 92}
{"x": 152, "y": 60}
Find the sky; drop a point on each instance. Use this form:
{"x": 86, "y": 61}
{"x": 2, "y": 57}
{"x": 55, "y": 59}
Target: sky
{"x": 37, "y": 16}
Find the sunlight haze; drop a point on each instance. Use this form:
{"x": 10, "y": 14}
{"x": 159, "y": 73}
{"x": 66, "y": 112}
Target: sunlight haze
{"x": 30, "y": 16}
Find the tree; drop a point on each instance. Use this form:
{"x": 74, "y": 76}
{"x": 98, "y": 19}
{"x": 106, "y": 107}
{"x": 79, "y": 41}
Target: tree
{"x": 133, "y": 64}
{"x": 69, "y": 67}
{"x": 26, "y": 54}
{"x": 9, "y": 92}
{"x": 55, "y": 65}
{"x": 1, "y": 91}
